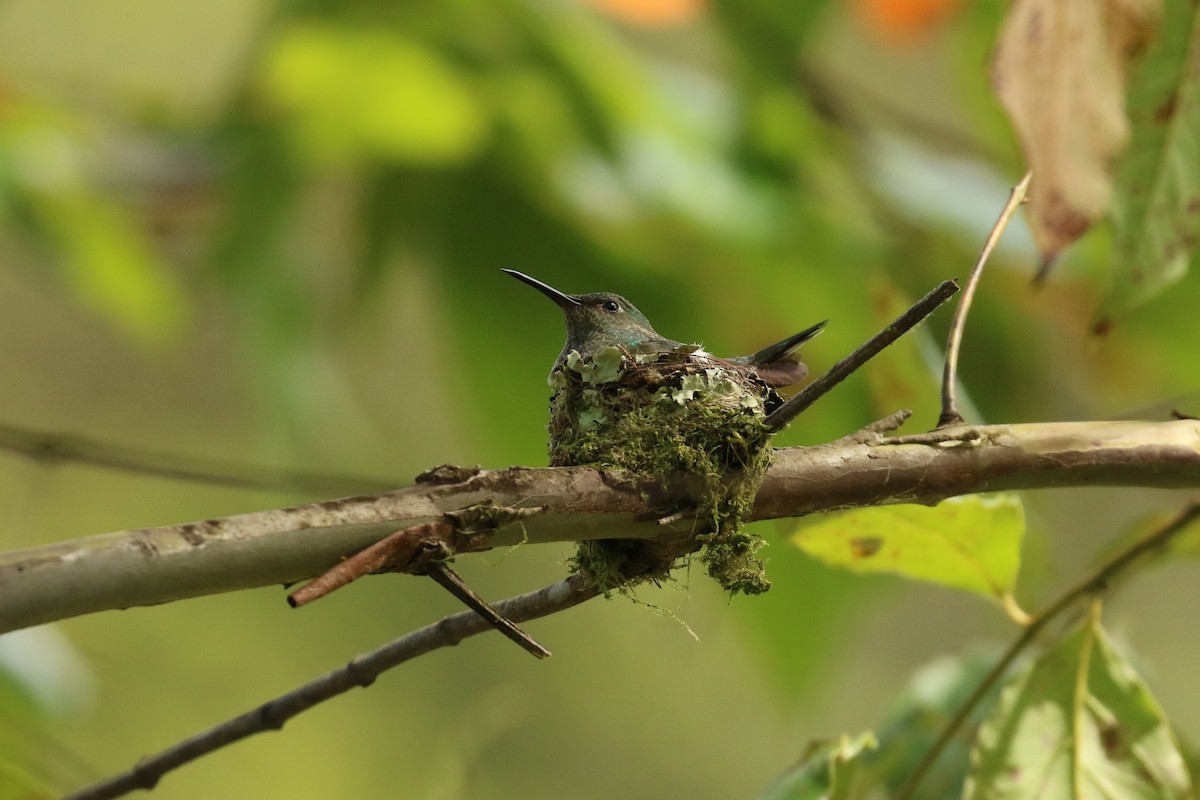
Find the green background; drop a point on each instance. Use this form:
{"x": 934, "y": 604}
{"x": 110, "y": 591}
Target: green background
{"x": 272, "y": 234}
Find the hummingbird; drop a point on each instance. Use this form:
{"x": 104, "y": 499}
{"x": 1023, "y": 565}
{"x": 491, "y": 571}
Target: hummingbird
{"x": 602, "y": 319}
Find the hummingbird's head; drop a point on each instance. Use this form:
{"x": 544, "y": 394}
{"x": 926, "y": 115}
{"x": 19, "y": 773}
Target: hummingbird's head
{"x": 597, "y": 318}
{"x": 605, "y": 311}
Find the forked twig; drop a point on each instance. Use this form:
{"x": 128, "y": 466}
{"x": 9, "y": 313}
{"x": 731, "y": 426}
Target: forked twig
{"x": 396, "y": 550}
{"x": 865, "y": 352}
{"x": 1095, "y": 583}
{"x": 950, "y": 414}
{"x": 417, "y": 548}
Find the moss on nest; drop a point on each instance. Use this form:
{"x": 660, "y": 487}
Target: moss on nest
{"x": 672, "y": 417}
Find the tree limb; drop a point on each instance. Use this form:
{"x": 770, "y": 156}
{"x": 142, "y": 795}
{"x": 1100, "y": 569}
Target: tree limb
{"x": 158, "y": 565}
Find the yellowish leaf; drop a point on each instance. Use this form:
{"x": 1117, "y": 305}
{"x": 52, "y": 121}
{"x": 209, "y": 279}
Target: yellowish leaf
{"x": 971, "y": 543}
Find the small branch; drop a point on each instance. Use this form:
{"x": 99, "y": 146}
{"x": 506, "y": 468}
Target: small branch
{"x": 361, "y": 671}
{"x": 56, "y": 449}
{"x": 449, "y": 580}
{"x": 950, "y": 414}
{"x": 419, "y": 549}
{"x": 1093, "y": 584}
{"x": 781, "y": 416}
{"x": 391, "y": 552}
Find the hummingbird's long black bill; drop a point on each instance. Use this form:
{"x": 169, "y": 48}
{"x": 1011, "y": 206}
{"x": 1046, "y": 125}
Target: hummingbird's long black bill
{"x": 562, "y": 298}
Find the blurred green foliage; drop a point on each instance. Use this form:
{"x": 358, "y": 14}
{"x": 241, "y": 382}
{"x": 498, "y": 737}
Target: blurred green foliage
{"x": 272, "y": 232}
{"x": 366, "y": 96}
{"x": 105, "y": 258}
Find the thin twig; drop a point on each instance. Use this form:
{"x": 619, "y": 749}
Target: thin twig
{"x": 950, "y": 414}
{"x": 361, "y": 671}
{"x": 56, "y": 448}
{"x": 865, "y": 352}
{"x": 449, "y": 580}
{"x": 1095, "y": 583}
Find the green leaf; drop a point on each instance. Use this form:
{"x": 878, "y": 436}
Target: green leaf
{"x": 1156, "y": 210}
{"x": 971, "y": 543}
{"x": 830, "y": 770}
{"x": 1078, "y": 723}
{"x": 373, "y": 94}
{"x": 913, "y": 722}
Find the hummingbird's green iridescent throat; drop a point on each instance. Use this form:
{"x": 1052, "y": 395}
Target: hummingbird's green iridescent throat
{"x": 603, "y": 319}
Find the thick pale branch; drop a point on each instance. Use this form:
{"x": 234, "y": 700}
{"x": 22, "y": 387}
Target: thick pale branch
{"x": 158, "y": 565}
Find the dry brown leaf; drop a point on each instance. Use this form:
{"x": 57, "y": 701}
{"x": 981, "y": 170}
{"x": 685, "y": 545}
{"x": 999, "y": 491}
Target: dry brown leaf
{"x": 1059, "y": 70}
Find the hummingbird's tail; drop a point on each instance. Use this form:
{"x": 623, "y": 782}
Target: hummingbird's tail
{"x": 777, "y": 364}
{"x": 774, "y": 352}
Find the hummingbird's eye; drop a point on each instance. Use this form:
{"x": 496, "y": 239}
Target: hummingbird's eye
{"x": 612, "y": 306}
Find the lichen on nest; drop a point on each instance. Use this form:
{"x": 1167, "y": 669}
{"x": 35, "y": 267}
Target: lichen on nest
{"x": 680, "y": 419}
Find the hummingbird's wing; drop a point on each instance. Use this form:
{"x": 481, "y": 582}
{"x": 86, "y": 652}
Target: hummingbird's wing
{"x": 775, "y": 364}
{"x": 659, "y": 344}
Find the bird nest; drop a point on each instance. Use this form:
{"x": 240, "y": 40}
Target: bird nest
{"x": 676, "y": 420}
